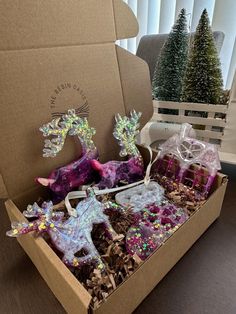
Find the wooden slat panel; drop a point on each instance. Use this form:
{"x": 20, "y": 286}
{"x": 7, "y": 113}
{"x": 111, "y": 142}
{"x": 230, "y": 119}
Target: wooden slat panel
{"x": 209, "y": 127}
{"x": 209, "y": 134}
{"x": 190, "y": 106}
{"x": 181, "y": 112}
{"x": 192, "y": 120}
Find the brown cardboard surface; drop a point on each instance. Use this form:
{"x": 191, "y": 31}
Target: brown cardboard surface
{"x": 125, "y": 27}
{"x": 60, "y": 54}
{"x": 3, "y": 191}
{"x": 64, "y": 285}
{"x": 31, "y": 24}
{"x": 141, "y": 282}
{"x": 76, "y": 65}
{"x": 137, "y": 287}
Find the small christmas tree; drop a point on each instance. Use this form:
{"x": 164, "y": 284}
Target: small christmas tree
{"x": 170, "y": 67}
{"x": 203, "y": 79}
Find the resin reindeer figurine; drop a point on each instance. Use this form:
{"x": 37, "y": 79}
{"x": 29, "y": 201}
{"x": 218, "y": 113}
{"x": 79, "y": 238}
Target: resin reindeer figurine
{"x": 79, "y": 172}
{"x": 72, "y": 235}
{"x": 114, "y": 172}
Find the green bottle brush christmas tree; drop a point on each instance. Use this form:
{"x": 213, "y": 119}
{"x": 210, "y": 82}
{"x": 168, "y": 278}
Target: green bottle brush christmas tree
{"x": 170, "y": 67}
{"x": 203, "y": 78}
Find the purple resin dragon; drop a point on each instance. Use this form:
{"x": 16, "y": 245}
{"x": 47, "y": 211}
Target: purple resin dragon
{"x": 114, "y": 172}
{"x": 79, "y": 172}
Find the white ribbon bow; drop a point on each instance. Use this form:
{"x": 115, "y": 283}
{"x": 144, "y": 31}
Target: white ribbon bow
{"x": 82, "y": 194}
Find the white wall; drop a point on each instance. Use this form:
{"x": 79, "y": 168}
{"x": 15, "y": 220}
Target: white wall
{"x": 188, "y": 6}
{"x": 154, "y": 7}
{"x": 198, "y": 7}
{"x": 142, "y": 15}
{"x": 167, "y": 16}
{"x": 232, "y": 68}
{"x": 132, "y": 42}
{"x": 224, "y": 19}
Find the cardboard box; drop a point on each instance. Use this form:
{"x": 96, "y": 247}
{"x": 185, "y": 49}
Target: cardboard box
{"x": 75, "y": 299}
{"x": 60, "y": 54}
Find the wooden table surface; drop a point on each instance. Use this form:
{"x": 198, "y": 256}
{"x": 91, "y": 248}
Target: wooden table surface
{"x": 203, "y": 281}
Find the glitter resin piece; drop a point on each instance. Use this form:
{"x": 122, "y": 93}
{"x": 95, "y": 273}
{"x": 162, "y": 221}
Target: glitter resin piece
{"x": 187, "y": 151}
{"x": 155, "y": 225}
{"x": 114, "y": 172}
{"x": 140, "y": 196}
{"x": 73, "y": 235}
{"x": 79, "y": 172}
{"x": 142, "y": 241}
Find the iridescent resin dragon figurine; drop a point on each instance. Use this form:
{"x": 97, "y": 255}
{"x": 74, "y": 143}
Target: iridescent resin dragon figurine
{"x": 72, "y": 235}
{"x": 114, "y": 172}
{"x": 79, "y": 172}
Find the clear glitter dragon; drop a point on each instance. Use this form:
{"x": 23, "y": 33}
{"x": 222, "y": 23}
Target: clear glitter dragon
{"x": 72, "y": 235}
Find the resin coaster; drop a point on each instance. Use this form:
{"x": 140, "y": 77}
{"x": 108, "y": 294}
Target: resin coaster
{"x": 140, "y": 196}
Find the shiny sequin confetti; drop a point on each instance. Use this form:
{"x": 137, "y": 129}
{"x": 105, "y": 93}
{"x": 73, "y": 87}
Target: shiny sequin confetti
{"x": 155, "y": 224}
{"x": 141, "y": 240}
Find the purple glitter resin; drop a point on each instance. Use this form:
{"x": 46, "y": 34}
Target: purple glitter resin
{"x": 68, "y": 178}
{"x": 114, "y": 172}
{"x": 72, "y": 235}
{"x": 79, "y": 172}
{"x": 163, "y": 215}
{"x": 189, "y": 151}
{"x": 154, "y": 225}
{"x": 142, "y": 241}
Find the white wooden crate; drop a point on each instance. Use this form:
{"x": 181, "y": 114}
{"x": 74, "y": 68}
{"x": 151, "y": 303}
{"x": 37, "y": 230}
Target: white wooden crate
{"x": 218, "y": 127}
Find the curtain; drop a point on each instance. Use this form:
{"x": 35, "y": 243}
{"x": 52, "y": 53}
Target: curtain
{"x": 158, "y": 16}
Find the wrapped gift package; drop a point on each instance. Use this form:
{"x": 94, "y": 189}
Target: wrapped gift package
{"x": 58, "y": 55}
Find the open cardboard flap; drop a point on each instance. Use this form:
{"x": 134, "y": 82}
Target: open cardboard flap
{"x": 61, "y": 54}
{"x": 56, "y": 55}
